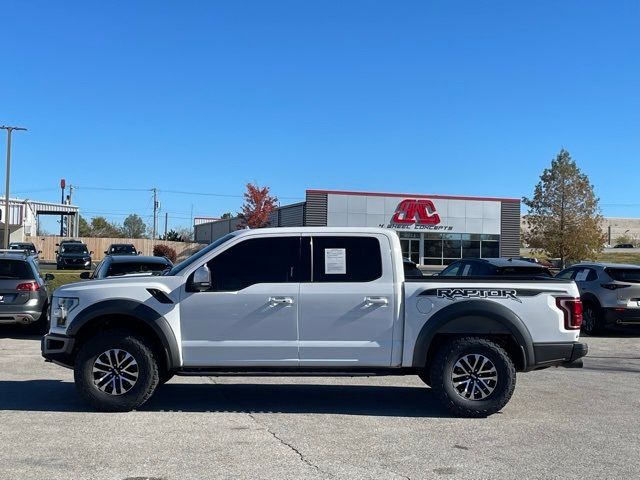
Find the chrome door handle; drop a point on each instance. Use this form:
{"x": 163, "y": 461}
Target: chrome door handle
{"x": 273, "y": 301}
{"x": 368, "y": 301}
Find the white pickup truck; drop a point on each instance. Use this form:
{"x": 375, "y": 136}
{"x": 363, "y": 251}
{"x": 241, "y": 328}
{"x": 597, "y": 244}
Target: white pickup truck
{"x": 311, "y": 301}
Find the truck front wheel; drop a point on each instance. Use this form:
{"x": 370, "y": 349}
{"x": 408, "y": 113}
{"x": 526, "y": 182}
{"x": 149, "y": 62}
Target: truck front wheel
{"x": 116, "y": 371}
{"x": 472, "y": 376}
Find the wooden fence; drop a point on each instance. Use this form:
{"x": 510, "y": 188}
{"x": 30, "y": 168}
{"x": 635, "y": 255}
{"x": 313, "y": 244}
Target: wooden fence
{"x": 98, "y": 246}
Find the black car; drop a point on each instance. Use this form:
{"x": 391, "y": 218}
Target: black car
{"x": 118, "y": 265}
{"x": 491, "y": 267}
{"x": 121, "y": 249}
{"x": 411, "y": 270}
{"x": 73, "y": 254}
{"x": 624, "y": 245}
{"x": 28, "y": 247}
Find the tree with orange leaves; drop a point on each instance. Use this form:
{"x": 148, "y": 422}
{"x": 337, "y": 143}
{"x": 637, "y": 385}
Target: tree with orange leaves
{"x": 257, "y": 207}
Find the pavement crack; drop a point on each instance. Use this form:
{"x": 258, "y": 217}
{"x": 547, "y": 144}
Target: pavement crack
{"x": 291, "y": 447}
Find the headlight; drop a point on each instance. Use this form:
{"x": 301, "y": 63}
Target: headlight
{"x": 61, "y": 308}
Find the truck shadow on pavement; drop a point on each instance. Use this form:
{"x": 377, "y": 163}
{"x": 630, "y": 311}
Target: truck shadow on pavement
{"x": 400, "y": 401}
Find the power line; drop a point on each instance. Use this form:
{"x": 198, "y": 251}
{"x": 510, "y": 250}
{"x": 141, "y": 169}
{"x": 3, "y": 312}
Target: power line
{"x": 205, "y": 194}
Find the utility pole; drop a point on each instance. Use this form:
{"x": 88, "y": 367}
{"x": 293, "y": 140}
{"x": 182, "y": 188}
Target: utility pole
{"x": 166, "y": 221}
{"x": 63, "y": 185}
{"x": 7, "y": 216}
{"x": 71, "y": 221}
{"x": 155, "y": 212}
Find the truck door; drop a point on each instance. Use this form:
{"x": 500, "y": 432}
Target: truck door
{"x": 249, "y": 317}
{"x": 346, "y": 312}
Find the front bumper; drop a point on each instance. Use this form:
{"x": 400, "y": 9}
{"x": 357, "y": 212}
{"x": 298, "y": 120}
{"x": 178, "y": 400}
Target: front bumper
{"x": 567, "y": 354}
{"x": 622, "y": 316}
{"x": 58, "y": 349}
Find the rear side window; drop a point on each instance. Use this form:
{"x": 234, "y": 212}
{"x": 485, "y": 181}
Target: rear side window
{"x": 260, "y": 260}
{"x": 17, "y": 269}
{"x": 346, "y": 259}
{"x": 631, "y": 275}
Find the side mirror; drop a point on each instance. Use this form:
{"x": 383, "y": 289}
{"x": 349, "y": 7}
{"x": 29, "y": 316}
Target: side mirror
{"x": 91, "y": 252}
{"x": 56, "y": 252}
{"x": 201, "y": 279}
{"x": 39, "y": 252}
{"x": 105, "y": 252}
{"x": 85, "y": 275}
{"x": 48, "y": 277}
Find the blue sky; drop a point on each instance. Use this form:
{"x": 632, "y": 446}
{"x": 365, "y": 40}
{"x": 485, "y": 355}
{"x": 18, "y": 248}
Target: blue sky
{"x": 449, "y": 97}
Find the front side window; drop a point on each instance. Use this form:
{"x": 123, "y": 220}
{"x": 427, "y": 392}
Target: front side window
{"x": 566, "y": 274}
{"x": 453, "y": 270}
{"x": 346, "y": 259}
{"x": 260, "y": 260}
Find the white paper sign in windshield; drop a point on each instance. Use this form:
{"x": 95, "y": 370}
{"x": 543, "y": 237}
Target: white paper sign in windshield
{"x": 582, "y": 275}
{"x": 335, "y": 261}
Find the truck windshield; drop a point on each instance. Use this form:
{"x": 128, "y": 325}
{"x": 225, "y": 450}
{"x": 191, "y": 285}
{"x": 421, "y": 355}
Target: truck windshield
{"x": 194, "y": 258}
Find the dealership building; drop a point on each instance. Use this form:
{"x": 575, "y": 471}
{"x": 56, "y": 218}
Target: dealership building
{"x": 433, "y": 229}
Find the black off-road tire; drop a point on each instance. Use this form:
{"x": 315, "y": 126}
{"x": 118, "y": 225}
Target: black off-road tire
{"x": 595, "y": 325}
{"x": 442, "y": 369}
{"x": 147, "y": 369}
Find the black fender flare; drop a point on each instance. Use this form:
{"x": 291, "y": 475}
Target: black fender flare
{"x": 138, "y": 310}
{"x": 474, "y": 317}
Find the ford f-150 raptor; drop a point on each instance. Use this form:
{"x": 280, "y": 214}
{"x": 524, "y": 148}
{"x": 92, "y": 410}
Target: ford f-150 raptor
{"x": 311, "y": 301}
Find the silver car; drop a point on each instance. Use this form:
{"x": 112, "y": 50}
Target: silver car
{"x": 23, "y": 292}
{"x": 610, "y": 294}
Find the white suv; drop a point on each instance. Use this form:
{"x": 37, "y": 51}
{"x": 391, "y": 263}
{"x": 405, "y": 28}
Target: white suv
{"x": 610, "y": 293}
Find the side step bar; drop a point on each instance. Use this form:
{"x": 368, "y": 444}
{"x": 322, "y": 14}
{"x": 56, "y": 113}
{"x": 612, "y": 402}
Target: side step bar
{"x": 293, "y": 372}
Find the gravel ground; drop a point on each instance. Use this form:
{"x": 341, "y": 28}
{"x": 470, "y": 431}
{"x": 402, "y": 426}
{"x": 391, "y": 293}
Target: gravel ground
{"x": 561, "y": 423}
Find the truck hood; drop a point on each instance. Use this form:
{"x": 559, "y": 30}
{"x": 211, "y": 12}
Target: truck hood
{"x": 119, "y": 285}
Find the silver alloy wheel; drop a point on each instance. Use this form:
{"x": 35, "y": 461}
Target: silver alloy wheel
{"x": 474, "y": 377}
{"x": 115, "y": 371}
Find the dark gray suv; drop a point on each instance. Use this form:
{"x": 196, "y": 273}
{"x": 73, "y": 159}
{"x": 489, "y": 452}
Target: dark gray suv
{"x": 23, "y": 292}
{"x": 610, "y": 294}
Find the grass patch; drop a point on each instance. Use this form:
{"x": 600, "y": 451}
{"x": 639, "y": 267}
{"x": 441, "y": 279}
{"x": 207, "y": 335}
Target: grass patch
{"x": 633, "y": 258}
{"x": 62, "y": 278}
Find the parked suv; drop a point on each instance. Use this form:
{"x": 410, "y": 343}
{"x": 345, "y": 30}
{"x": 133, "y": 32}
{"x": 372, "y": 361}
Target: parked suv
{"x": 23, "y": 292}
{"x": 27, "y": 247}
{"x": 121, "y": 249}
{"x": 610, "y": 293}
{"x": 73, "y": 254}
{"x": 490, "y": 267}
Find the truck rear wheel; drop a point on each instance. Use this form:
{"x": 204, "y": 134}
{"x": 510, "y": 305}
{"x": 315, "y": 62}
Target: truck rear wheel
{"x": 473, "y": 377}
{"x": 115, "y": 372}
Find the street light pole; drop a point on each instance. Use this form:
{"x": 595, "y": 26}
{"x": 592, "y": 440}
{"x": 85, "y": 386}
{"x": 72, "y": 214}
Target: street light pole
{"x": 7, "y": 215}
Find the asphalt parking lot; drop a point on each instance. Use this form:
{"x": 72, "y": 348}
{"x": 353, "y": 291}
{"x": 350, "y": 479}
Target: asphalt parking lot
{"x": 561, "y": 423}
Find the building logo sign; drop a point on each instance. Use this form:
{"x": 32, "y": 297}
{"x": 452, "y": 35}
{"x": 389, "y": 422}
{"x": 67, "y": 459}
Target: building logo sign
{"x": 417, "y": 215}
